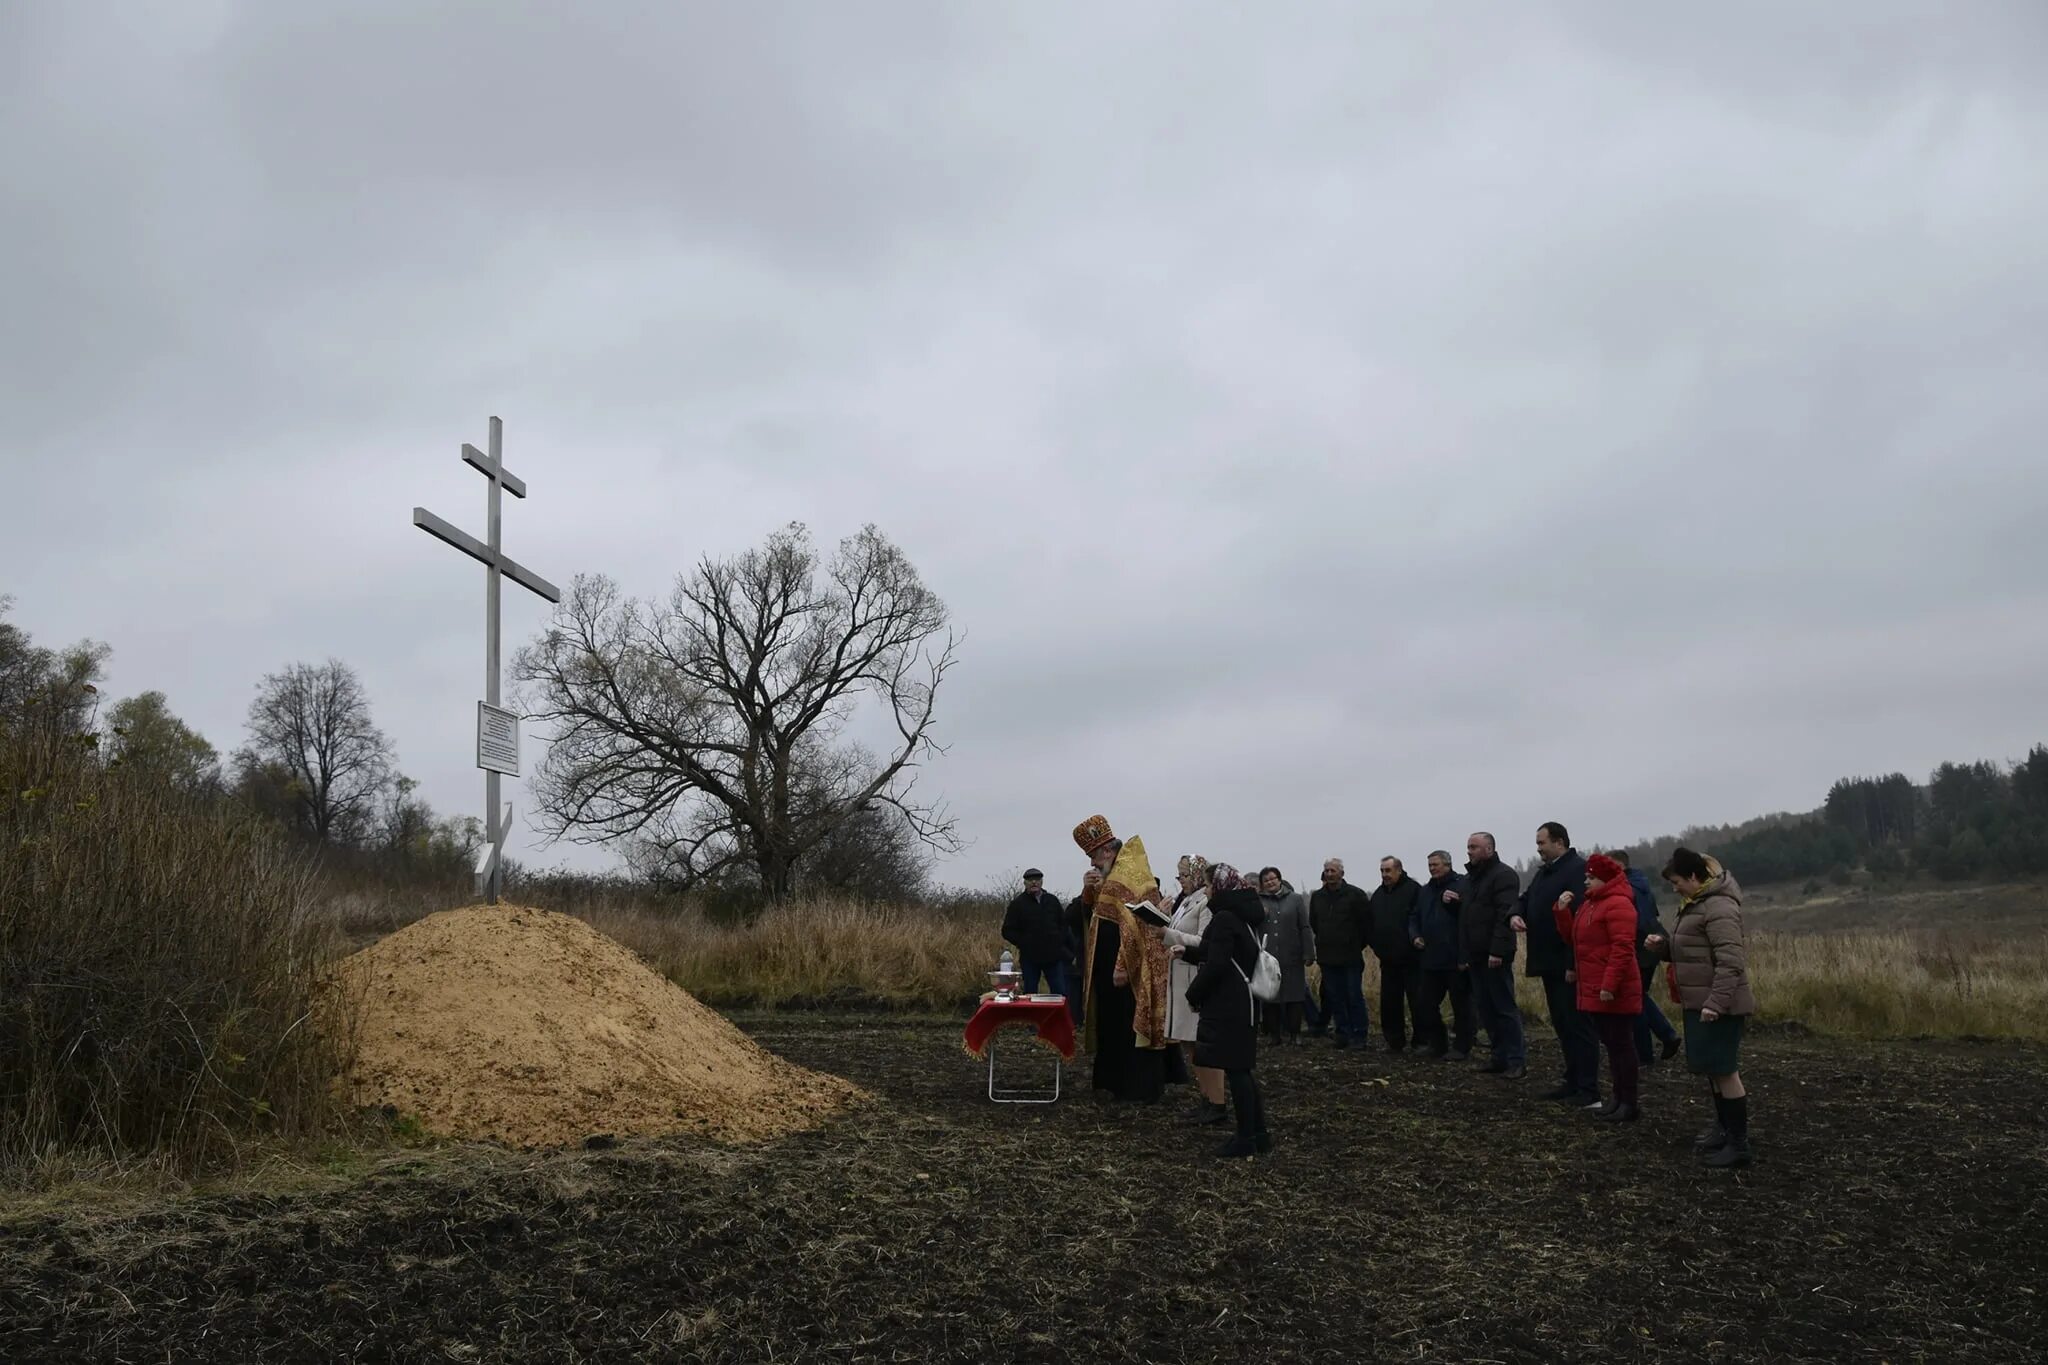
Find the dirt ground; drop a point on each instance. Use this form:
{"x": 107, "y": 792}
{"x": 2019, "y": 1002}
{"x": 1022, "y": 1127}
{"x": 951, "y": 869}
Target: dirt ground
{"x": 1412, "y": 1211}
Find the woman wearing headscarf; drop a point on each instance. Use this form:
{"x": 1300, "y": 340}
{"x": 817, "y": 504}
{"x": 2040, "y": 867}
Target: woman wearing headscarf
{"x": 1190, "y": 919}
{"x": 1124, "y": 1016}
{"x": 1601, "y": 932}
{"x": 1293, "y": 942}
{"x": 1226, "y": 958}
{"x": 1710, "y": 981}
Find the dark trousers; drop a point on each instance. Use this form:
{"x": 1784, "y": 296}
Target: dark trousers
{"x": 1651, "y": 1021}
{"x": 1400, "y": 1002}
{"x": 1282, "y": 1021}
{"x": 1248, "y": 1102}
{"x": 1346, "y": 989}
{"x": 1493, "y": 999}
{"x": 1435, "y": 986}
{"x": 1053, "y": 974}
{"x": 1617, "y": 1033}
{"x": 1575, "y": 1035}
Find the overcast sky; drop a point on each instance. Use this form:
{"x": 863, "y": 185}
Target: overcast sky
{"x": 1334, "y": 426}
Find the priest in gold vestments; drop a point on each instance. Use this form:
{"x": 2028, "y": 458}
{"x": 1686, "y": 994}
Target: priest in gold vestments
{"x": 1124, "y": 970}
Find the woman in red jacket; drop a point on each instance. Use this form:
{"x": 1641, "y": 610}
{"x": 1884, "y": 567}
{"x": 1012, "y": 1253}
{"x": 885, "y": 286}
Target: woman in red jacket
{"x": 1603, "y": 938}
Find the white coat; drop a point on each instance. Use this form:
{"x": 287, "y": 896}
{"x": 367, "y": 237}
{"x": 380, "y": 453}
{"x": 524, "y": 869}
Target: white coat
{"x": 1185, "y": 930}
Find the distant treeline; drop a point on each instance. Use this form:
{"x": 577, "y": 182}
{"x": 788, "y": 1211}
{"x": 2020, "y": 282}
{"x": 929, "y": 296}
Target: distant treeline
{"x": 1973, "y": 819}
{"x": 314, "y": 765}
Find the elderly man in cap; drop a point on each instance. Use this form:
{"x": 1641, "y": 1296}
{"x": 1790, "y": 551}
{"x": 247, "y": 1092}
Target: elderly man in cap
{"x": 1036, "y": 926}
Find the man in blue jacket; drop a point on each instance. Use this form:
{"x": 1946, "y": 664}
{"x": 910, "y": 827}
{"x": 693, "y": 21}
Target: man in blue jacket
{"x": 1550, "y": 960}
{"x": 1653, "y": 1019}
{"x": 1433, "y": 927}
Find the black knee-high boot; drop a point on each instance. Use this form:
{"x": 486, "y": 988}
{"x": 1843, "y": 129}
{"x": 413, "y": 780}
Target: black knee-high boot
{"x": 1734, "y": 1150}
{"x": 1244, "y": 1098}
{"x": 1715, "y": 1135}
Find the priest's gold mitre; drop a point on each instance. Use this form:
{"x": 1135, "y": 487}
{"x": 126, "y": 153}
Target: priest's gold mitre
{"x": 1132, "y": 875}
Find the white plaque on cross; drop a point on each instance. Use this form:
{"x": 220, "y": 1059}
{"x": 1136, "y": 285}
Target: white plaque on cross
{"x": 497, "y": 739}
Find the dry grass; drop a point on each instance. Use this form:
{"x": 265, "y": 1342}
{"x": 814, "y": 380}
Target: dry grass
{"x": 1971, "y": 981}
{"x": 1896, "y": 984}
{"x": 1906, "y": 985}
{"x": 815, "y": 953}
{"x": 157, "y": 974}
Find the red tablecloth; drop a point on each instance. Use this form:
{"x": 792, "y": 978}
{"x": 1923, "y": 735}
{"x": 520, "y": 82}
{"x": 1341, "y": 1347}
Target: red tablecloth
{"x": 1049, "y": 1017}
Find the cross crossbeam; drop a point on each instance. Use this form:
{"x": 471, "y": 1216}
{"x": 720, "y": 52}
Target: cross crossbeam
{"x": 477, "y": 550}
{"x": 483, "y": 464}
{"x": 497, "y": 565}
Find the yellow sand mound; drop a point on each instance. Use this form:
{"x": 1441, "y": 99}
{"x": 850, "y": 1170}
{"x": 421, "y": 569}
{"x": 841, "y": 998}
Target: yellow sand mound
{"x": 532, "y": 1028}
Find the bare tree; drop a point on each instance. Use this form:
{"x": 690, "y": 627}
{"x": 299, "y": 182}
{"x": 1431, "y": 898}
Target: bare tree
{"x": 710, "y": 731}
{"x": 311, "y": 724}
{"x": 873, "y": 856}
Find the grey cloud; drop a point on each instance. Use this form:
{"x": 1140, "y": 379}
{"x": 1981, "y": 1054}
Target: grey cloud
{"x": 1329, "y": 422}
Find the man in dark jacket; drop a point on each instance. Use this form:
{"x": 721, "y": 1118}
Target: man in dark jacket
{"x": 1488, "y": 940}
{"x": 1393, "y": 905}
{"x": 1433, "y": 929}
{"x": 1653, "y": 1020}
{"x": 1339, "y": 915}
{"x": 1550, "y": 960}
{"x": 1036, "y": 924}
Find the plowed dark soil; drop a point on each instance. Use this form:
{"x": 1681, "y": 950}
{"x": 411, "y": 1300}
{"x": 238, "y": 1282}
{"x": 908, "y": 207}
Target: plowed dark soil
{"x": 1898, "y": 1212}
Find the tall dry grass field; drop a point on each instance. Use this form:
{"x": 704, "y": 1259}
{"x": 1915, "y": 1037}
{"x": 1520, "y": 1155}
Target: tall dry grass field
{"x": 1863, "y": 984}
{"x": 818, "y": 951}
{"x": 1907, "y": 985}
{"x": 157, "y": 972}
{"x": 1896, "y": 983}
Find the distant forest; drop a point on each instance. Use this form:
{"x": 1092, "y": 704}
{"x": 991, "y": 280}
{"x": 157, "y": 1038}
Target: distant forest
{"x": 1970, "y": 820}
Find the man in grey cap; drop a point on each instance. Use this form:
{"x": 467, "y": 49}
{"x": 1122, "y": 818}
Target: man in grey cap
{"x": 1036, "y": 926}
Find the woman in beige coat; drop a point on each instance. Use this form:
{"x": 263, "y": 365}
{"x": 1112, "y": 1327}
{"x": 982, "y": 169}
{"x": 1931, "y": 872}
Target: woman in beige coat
{"x": 1710, "y": 980}
{"x": 1190, "y": 919}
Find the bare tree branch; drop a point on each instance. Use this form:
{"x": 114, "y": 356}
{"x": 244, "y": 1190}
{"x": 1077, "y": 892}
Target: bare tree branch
{"x": 312, "y": 722}
{"x": 707, "y": 731}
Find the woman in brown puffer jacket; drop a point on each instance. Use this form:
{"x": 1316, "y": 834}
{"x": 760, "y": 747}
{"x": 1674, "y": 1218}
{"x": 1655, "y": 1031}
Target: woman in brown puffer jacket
{"x": 1710, "y": 980}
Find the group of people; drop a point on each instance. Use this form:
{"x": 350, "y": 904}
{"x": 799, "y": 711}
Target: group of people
{"x": 1164, "y": 992}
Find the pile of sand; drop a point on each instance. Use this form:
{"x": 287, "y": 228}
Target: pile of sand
{"x": 532, "y": 1028}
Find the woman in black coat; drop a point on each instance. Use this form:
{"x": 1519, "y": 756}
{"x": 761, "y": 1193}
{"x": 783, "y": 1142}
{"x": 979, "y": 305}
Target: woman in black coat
{"x": 1221, "y": 993}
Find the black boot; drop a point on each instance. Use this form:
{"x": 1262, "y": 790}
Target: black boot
{"x": 1619, "y": 1113}
{"x": 1714, "y": 1136}
{"x": 1735, "y": 1151}
{"x": 1251, "y": 1116}
{"x": 1670, "y": 1047}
